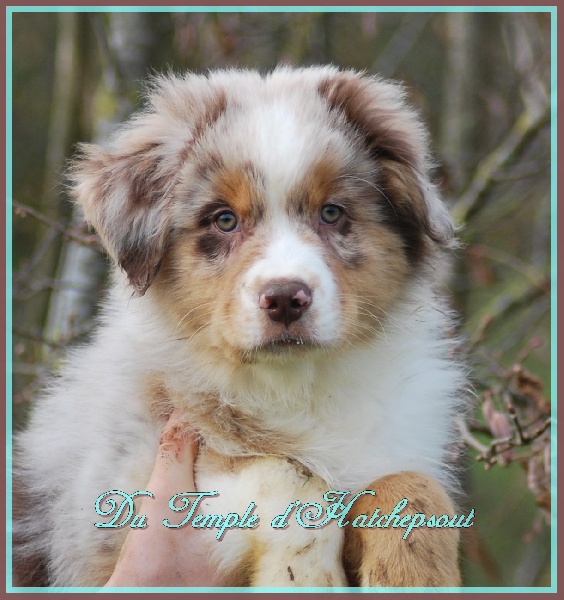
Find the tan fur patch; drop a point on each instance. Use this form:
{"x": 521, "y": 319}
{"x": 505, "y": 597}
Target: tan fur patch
{"x": 381, "y": 558}
{"x": 238, "y": 188}
{"x": 316, "y": 188}
{"x": 182, "y": 288}
{"x": 372, "y": 287}
{"x": 235, "y": 427}
{"x": 218, "y": 422}
{"x": 245, "y": 575}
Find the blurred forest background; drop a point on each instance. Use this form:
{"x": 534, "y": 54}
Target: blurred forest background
{"x": 483, "y": 84}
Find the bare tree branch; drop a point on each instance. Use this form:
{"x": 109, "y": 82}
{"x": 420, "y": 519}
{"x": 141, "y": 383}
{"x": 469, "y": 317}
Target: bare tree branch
{"x": 87, "y": 240}
{"x": 522, "y": 132}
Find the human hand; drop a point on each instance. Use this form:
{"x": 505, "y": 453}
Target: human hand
{"x": 156, "y": 556}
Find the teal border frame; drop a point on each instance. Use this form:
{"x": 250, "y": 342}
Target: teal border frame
{"x": 10, "y": 10}
{"x": 276, "y": 9}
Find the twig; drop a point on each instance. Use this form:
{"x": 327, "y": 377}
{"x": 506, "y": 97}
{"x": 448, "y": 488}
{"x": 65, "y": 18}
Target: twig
{"x": 518, "y": 265}
{"x": 28, "y": 289}
{"x": 505, "y": 305}
{"x": 473, "y": 199}
{"x": 25, "y": 273}
{"x": 87, "y": 240}
{"x": 469, "y": 438}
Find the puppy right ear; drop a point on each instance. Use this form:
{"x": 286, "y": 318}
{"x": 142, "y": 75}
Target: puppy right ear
{"x": 126, "y": 197}
{"x": 397, "y": 140}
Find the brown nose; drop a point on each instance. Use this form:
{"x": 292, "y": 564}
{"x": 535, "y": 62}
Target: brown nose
{"x": 285, "y": 301}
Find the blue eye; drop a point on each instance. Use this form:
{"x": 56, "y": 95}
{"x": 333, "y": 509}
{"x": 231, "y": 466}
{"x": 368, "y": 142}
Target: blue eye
{"x": 226, "y": 221}
{"x": 330, "y": 214}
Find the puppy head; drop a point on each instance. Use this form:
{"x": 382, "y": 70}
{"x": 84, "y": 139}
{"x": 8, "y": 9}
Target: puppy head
{"x": 273, "y": 215}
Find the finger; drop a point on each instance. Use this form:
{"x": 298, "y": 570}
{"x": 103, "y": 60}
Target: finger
{"x": 174, "y": 464}
{"x": 153, "y": 556}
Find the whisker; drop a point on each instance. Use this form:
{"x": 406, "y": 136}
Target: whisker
{"x": 373, "y": 185}
{"x": 191, "y": 311}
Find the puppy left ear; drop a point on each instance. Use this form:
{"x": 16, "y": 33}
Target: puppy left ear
{"x": 395, "y": 136}
{"x": 126, "y": 192}
{"x": 125, "y": 197}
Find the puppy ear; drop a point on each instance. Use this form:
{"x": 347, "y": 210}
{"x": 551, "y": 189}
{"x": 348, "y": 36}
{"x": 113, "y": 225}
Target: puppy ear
{"x": 396, "y": 138}
{"x": 125, "y": 197}
{"x": 126, "y": 192}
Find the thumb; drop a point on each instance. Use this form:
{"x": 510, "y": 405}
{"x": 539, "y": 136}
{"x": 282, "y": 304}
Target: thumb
{"x": 174, "y": 463}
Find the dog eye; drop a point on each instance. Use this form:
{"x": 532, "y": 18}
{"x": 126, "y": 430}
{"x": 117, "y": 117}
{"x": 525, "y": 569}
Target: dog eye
{"x": 226, "y": 221}
{"x": 331, "y": 213}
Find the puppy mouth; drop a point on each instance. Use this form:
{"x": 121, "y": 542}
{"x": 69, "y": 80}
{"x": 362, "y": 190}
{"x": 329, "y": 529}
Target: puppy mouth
{"x": 288, "y": 340}
{"x": 286, "y": 344}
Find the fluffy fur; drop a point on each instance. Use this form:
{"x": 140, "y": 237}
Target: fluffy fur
{"x": 362, "y": 384}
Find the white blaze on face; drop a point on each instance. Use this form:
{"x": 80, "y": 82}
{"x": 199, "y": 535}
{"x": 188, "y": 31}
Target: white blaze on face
{"x": 288, "y": 257}
{"x": 283, "y": 147}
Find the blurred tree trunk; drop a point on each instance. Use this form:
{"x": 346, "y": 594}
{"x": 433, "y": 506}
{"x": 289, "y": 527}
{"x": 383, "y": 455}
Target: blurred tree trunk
{"x": 459, "y": 96}
{"x": 60, "y": 131}
{"x": 459, "y": 104}
{"x": 123, "y": 40}
{"x": 401, "y": 44}
{"x": 65, "y": 306}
